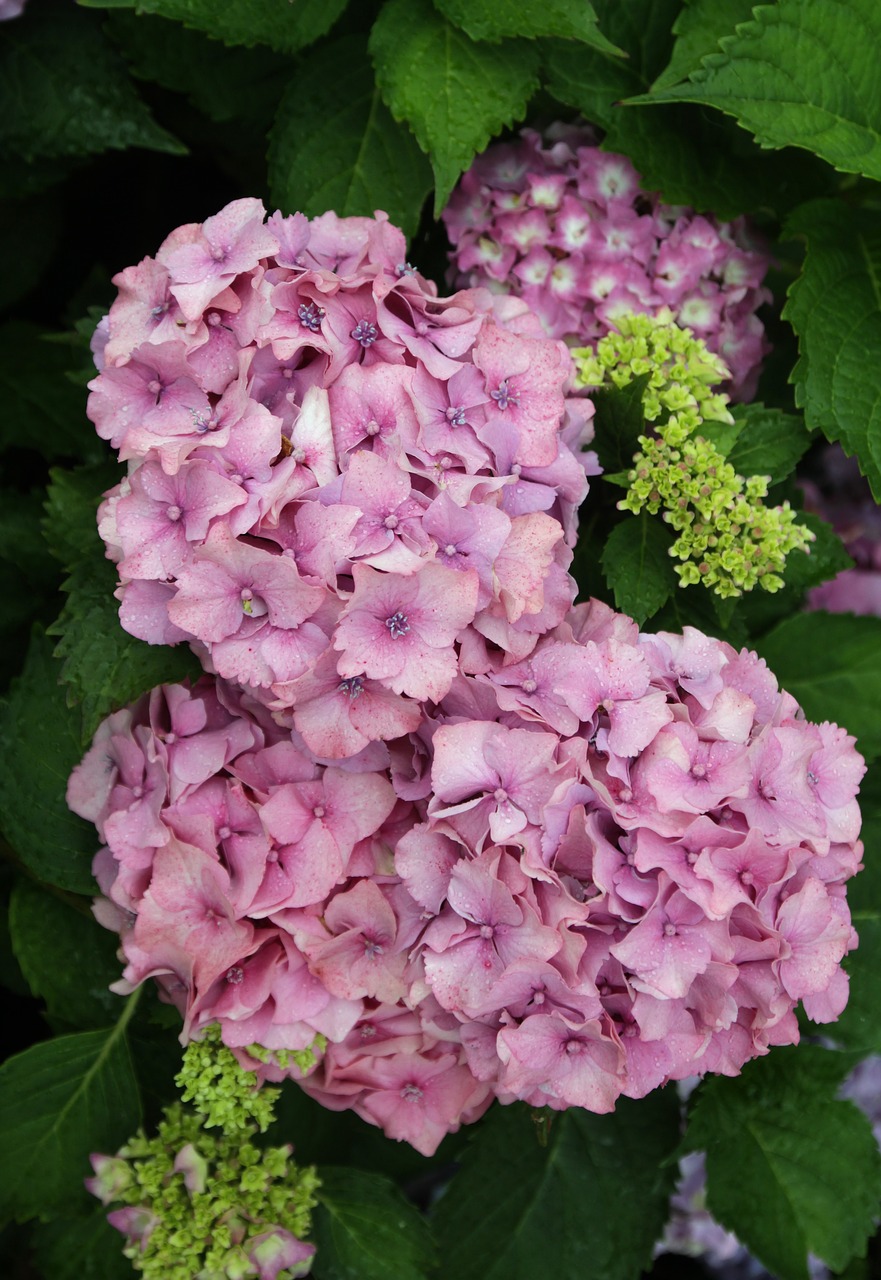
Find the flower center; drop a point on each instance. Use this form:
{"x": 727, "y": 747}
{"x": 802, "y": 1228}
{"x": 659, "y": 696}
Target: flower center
{"x": 365, "y": 333}
{"x": 397, "y": 625}
{"x": 352, "y": 686}
{"x": 455, "y": 416}
{"x": 504, "y": 397}
{"x": 310, "y": 316}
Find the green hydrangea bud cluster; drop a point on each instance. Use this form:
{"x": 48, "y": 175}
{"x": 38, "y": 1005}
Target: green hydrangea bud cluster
{"x": 728, "y": 539}
{"x": 303, "y": 1059}
{"x": 225, "y": 1094}
{"x": 199, "y": 1205}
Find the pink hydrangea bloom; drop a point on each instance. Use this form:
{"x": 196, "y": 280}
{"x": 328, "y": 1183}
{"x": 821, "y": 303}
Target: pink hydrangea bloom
{"x": 310, "y": 429}
{"x": 566, "y": 227}
{"x": 567, "y": 878}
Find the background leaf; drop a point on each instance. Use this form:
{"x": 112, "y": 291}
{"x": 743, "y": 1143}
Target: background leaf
{"x": 285, "y": 27}
{"x": 835, "y": 309}
{"x": 42, "y": 409}
{"x": 50, "y": 108}
{"x": 638, "y": 566}
{"x": 455, "y": 94}
{"x": 831, "y": 662}
{"x": 40, "y": 742}
{"x": 592, "y": 1202}
{"x": 698, "y": 30}
{"x": 801, "y": 73}
{"x": 768, "y": 442}
{"x": 495, "y": 19}
{"x": 85, "y": 1248}
{"x": 344, "y": 151}
{"x": 67, "y": 957}
{"x": 59, "y": 1101}
{"x": 790, "y": 1168}
{"x": 366, "y": 1230}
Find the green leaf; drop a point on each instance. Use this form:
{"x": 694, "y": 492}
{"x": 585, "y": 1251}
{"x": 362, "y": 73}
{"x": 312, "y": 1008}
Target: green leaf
{"x": 835, "y": 309}
{"x": 67, "y": 957}
{"x": 638, "y": 567}
{"x": 455, "y": 94}
{"x": 790, "y": 1168}
{"x": 698, "y": 30}
{"x": 42, "y": 409}
{"x": 284, "y": 26}
{"x": 233, "y": 84}
{"x": 592, "y": 1202}
{"x": 801, "y": 73}
{"x": 40, "y": 742}
{"x": 104, "y": 666}
{"x": 85, "y": 1248}
{"x": 344, "y": 151}
{"x": 831, "y": 662}
{"x": 619, "y": 421}
{"x": 497, "y": 19}
{"x": 50, "y": 108}
{"x": 859, "y": 1027}
{"x": 769, "y": 442}
{"x": 365, "y": 1229}
{"x": 59, "y": 1101}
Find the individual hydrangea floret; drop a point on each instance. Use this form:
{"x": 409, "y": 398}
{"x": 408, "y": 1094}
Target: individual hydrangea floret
{"x": 326, "y": 458}
{"x": 727, "y": 538}
{"x": 568, "y": 228}
{"x": 618, "y": 861}
{"x": 200, "y": 1204}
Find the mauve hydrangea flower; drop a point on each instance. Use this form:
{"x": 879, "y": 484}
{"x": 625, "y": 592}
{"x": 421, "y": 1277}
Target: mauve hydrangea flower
{"x": 11, "y": 9}
{"x": 323, "y": 455}
{"x": 566, "y": 227}
{"x": 576, "y": 876}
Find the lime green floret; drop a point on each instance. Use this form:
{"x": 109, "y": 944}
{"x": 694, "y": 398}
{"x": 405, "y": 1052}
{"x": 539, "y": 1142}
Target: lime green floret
{"x": 222, "y": 1091}
{"x": 728, "y": 539}
{"x": 303, "y": 1059}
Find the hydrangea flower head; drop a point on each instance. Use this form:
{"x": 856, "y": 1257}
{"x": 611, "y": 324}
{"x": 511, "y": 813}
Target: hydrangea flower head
{"x": 567, "y": 227}
{"x": 318, "y": 445}
{"x": 837, "y": 492}
{"x": 618, "y": 861}
{"x": 727, "y": 538}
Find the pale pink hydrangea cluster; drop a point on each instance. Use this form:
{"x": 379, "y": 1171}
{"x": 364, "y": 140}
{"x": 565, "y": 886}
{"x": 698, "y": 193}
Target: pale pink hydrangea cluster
{"x": 11, "y": 9}
{"x": 333, "y": 473}
{"x": 617, "y": 861}
{"x": 567, "y": 227}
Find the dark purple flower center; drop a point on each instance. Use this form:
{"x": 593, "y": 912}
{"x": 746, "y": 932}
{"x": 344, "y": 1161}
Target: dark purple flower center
{"x": 397, "y": 625}
{"x": 503, "y": 397}
{"x": 352, "y": 686}
{"x": 365, "y": 333}
{"x": 455, "y": 416}
{"x": 310, "y": 315}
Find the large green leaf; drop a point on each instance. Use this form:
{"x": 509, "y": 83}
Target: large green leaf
{"x": 768, "y": 441}
{"x": 688, "y": 153}
{"x": 496, "y": 19}
{"x": 835, "y": 309}
{"x": 698, "y": 30}
{"x": 800, "y": 73}
{"x": 104, "y": 667}
{"x": 42, "y": 409}
{"x": 65, "y": 91}
{"x": 67, "y": 957}
{"x": 790, "y": 1168}
{"x": 284, "y": 26}
{"x": 344, "y": 151}
{"x": 455, "y": 94}
{"x": 40, "y": 742}
{"x": 366, "y": 1230}
{"x": 84, "y": 1248}
{"x": 831, "y": 662}
{"x": 591, "y": 1202}
{"x": 638, "y": 567}
{"x": 59, "y": 1101}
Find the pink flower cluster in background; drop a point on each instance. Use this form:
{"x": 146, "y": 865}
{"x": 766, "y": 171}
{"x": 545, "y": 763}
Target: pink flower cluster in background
{"x": 842, "y": 496}
{"x": 333, "y": 473}
{"x": 618, "y": 861}
{"x": 566, "y": 227}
